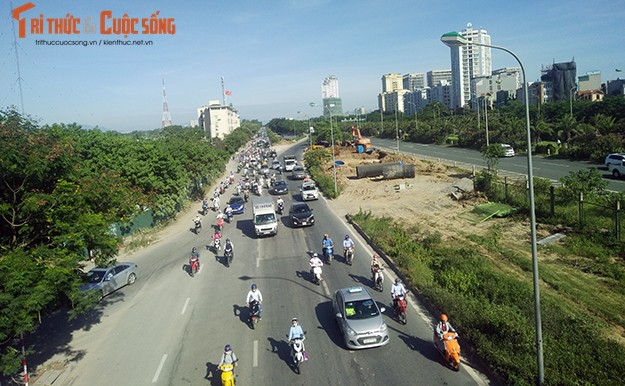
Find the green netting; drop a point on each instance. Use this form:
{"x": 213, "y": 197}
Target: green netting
{"x": 485, "y": 211}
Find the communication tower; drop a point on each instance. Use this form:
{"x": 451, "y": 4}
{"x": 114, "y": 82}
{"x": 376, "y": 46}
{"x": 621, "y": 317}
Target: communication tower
{"x": 166, "y": 116}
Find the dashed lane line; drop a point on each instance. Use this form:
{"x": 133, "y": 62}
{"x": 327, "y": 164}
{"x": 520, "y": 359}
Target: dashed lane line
{"x": 160, "y": 367}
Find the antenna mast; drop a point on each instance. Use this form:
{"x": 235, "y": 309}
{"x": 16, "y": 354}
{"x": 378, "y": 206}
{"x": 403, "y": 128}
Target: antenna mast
{"x": 166, "y": 116}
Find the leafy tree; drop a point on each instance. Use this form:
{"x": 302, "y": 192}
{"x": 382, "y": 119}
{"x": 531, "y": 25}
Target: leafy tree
{"x": 590, "y": 182}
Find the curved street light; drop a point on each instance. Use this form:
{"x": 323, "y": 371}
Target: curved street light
{"x": 455, "y": 40}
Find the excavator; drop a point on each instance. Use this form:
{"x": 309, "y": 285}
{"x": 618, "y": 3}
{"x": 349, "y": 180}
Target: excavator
{"x": 363, "y": 145}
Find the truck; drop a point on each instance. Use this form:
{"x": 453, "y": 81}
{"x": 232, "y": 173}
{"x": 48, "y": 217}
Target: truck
{"x": 264, "y": 216}
{"x": 289, "y": 162}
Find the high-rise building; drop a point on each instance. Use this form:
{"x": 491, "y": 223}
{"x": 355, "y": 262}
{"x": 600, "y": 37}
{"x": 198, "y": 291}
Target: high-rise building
{"x": 434, "y": 77}
{"x": 413, "y": 81}
{"x": 559, "y": 79}
{"x": 392, "y": 82}
{"x": 467, "y": 62}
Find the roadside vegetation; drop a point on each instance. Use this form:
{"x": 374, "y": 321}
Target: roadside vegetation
{"x": 63, "y": 188}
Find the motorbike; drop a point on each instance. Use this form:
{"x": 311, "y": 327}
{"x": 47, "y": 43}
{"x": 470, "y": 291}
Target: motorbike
{"x": 222, "y": 189}
{"x": 229, "y": 216}
{"x": 280, "y": 207}
{"x": 198, "y": 226}
{"x": 349, "y": 255}
{"x": 216, "y": 205}
{"x": 217, "y": 244}
{"x": 328, "y": 253}
{"x": 316, "y": 274}
{"x": 254, "y": 313}
{"x": 194, "y": 266}
{"x": 220, "y": 223}
{"x": 227, "y": 374}
{"x": 228, "y": 256}
{"x": 246, "y": 195}
{"x": 451, "y": 354}
{"x": 298, "y": 353}
{"x": 378, "y": 279}
{"x": 400, "y": 308}
{"x": 204, "y": 208}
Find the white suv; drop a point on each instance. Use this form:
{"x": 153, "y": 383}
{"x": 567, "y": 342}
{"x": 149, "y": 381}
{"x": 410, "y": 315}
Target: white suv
{"x": 617, "y": 169}
{"x": 309, "y": 191}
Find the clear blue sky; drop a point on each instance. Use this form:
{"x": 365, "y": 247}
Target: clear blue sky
{"x": 274, "y": 54}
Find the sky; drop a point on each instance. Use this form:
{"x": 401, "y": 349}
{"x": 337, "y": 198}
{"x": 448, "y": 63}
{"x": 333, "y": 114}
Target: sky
{"x": 274, "y": 54}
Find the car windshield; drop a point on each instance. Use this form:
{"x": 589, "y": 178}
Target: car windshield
{"x": 95, "y": 276}
{"x": 361, "y": 309}
{"x": 308, "y": 187}
{"x": 236, "y": 200}
{"x": 279, "y": 184}
{"x": 301, "y": 209}
{"x": 265, "y": 218}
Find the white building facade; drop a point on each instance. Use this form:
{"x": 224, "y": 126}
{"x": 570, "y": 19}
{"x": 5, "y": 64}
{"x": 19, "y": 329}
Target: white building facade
{"x": 217, "y": 120}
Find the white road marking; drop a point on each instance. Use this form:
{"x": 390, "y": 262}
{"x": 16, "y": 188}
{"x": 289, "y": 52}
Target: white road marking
{"x": 184, "y": 308}
{"x": 257, "y": 262}
{"x": 160, "y": 367}
{"x": 255, "y": 357}
{"x": 325, "y": 287}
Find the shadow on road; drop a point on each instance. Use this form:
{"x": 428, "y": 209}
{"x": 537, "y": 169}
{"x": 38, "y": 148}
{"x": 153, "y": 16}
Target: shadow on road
{"x": 327, "y": 320}
{"x": 247, "y": 228}
{"x": 213, "y": 375}
{"x": 365, "y": 281}
{"x": 423, "y": 347}
{"x": 242, "y": 312}
{"x": 283, "y": 350}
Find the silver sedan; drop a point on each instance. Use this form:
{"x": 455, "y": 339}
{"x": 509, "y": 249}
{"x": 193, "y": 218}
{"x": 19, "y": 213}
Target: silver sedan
{"x": 107, "y": 280}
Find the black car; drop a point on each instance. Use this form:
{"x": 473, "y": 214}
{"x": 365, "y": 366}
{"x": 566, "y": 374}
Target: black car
{"x": 280, "y": 187}
{"x": 301, "y": 214}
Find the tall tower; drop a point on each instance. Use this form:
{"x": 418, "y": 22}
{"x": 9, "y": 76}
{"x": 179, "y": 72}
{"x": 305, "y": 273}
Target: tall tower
{"x": 468, "y": 62}
{"x": 332, "y": 104}
{"x": 166, "y": 116}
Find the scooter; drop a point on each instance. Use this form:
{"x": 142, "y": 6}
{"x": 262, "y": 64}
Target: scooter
{"x": 228, "y": 255}
{"x": 400, "y": 309}
{"x": 227, "y": 374}
{"x": 316, "y": 274}
{"x": 229, "y": 216}
{"x": 298, "y": 353}
{"x": 254, "y": 313}
{"x": 217, "y": 244}
{"x": 194, "y": 266}
{"x": 204, "y": 208}
{"x": 349, "y": 255}
{"x": 220, "y": 223}
{"x": 378, "y": 279}
{"x": 328, "y": 253}
{"x": 451, "y": 354}
{"x": 198, "y": 226}
{"x": 280, "y": 208}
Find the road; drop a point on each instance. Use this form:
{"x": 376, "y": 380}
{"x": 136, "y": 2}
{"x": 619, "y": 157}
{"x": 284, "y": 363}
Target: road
{"x": 170, "y": 329}
{"x": 552, "y": 169}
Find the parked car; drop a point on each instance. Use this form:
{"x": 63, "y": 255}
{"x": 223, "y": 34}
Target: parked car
{"x": 237, "y": 203}
{"x": 298, "y": 173}
{"x": 508, "y": 151}
{"x": 301, "y": 214}
{"x": 359, "y": 318}
{"x": 614, "y": 159}
{"x": 107, "y": 280}
{"x": 280, "y": 187}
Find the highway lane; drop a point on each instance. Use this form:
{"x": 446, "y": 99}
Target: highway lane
{"x": 553, "y": 169}
{"x": 170, "y": 329}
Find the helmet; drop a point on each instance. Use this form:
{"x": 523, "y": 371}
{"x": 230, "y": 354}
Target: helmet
{"x": 375, "y": 256}
{"x": 346, "y": 237}
{"x": 254, "y": 286}
{"x": 315, "y": 255}
{"x": 194, "y": 250}
{"x": 325, "y": 235}
{"x": 227, "y": 240}
{"x": 293, "y": 320}
{"x": 227, "y": 348}
{"x": 397, "y": 281}
{"x": 444, "y": 317}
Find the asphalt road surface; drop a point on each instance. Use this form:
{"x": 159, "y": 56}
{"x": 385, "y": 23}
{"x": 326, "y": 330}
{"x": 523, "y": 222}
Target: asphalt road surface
{"x": 170, "y": 329}
{"x": 552, "y": 169}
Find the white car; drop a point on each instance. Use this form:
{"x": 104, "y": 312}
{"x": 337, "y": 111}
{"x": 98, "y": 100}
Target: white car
{"x": 508, "y": 151}
{"x": 309, "y": 191}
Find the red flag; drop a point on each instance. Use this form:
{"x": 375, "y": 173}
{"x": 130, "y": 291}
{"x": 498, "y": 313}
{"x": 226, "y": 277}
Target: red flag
{"x": 228, "y": 92}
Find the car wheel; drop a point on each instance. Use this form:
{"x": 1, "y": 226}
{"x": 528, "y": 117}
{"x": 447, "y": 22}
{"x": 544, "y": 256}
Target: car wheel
{"x": 132, "y": 278}
{"x": 616, "y": 173}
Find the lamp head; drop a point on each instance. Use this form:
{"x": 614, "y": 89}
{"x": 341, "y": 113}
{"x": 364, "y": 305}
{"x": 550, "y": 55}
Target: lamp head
{"x": 454, "y": 39}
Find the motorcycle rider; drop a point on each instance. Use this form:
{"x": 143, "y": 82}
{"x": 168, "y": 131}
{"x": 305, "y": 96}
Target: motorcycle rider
{"x": 348, "y": 243}
{"x": 228, "y": 212}
{"x": 217, "y": 236}
{"x": 315, "y": 261}
{"x": 254, "y": 294}
{"x": 194, "y": 259}
{"x": 204, "y": 204}
{"x": 376, "y": 266}
{"x": 296, "y": 332}
{"x": 197, "y": 221}
{"x": 327, "y": 242}
{"x": 443, "y": 327}
{"x": 397, "y": 289}
{"x": 216, "y": 203}
{"x": 280, "y": 204}
{"x": 228, "y": 357}
{"x": 229, "y": 248}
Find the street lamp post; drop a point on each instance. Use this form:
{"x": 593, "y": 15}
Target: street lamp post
{"x": 571, "y": 97}
{"x": 454, "y": 39}
{"x": 396, "y": 127}
{"x": 486, "y": 118}
{"x": 333, "y": 154}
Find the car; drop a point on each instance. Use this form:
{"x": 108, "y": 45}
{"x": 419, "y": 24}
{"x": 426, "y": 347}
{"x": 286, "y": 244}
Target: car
{"x": 275, "y": 164}
{"x": 109, "y": 279}
{"x": 301, "y": 215}
{"x": 280, "y": 187}
{"x": 614, "y": 159}
{"x": 309, "y": 191}
{"x": 508, "y": 151}
{"x": 359, "y": 318}
{"x": 237, "y": 203}
{"x": 298, "y": 173}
